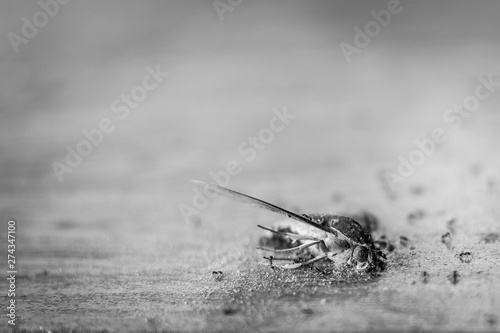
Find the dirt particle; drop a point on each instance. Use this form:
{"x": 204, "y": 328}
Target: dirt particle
{"x": 384, "y": 244}
{"x": 465, "y": 257}
{"x": 446, "y": 240}
{"x": 217, "y": 275}
{"x": 307, "y": 311}
{"x": 403, "y": 241}
{"x": 490, "y": 319}
{"x": 228, "y": 310}
{"x": 454, "y": 277}
{"x": 416, "y": 215}
{"x": 425, "y": 277}
{"x": 491, "y": 237}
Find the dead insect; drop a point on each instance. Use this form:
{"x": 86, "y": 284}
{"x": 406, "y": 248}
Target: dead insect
{"x": 326, "y": 235}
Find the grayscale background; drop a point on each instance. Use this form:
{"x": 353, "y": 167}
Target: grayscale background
{"x": 107, "y": 248}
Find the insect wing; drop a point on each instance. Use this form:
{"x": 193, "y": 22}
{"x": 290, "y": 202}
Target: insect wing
{"x": 259, "y": 203}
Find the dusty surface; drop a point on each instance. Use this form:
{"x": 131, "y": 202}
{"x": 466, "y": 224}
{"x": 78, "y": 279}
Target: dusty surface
{"x": 108, "y": 250}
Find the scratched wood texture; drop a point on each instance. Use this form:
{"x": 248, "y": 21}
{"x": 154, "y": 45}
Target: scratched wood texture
{"x": 107, "y": 249}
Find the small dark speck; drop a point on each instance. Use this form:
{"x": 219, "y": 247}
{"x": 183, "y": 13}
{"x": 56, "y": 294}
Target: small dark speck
{"x": 217, "y": 275}
{"x": 490, "y": 319}
{"x": 412, "y": 248}
{"x": 491, "y": 237}
{"x": 465, "y": 257}
{"x": 307, "y": 311}
{"x": 415, "y": 215}
{"x": 425, "y": 277}
{"x": 454, "y": 277}
{"x": 403, "y": 241}
{"x": 390, "y": 248}
{"x": 227, "y": 310}
{"x": 446, "y": 239}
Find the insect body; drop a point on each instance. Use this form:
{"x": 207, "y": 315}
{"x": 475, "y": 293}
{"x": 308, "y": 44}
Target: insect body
{"x": 324, "y": 235}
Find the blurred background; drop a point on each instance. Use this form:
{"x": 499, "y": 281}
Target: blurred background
{"x": 229, "y": 66}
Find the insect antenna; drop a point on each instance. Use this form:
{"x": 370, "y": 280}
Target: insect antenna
{"x": 292, "y": 249}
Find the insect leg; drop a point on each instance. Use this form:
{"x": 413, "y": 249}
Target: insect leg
{"x": 313, "y": 260}
{"x": 289, "y": 234}
{"x": 292, "y": 249}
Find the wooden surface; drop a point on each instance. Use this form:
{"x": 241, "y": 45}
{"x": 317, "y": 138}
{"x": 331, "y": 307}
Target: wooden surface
{"x": 107, "y": 248}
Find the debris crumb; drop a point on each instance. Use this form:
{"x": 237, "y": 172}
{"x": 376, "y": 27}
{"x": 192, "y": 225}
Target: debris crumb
{"x": 491, "y": 237}
{"x": 228, "y": 310}
{"x": 491, "y": 319}
{"x": 454, "y": 277}
{"x": 465, "y": 257}
{"x": 446, "y": 240}
{"x": 307, "y": 311}
{"x": 416, "y": 215}
{"x": 425, "y": 277}
{"x": 217, "y": 275}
